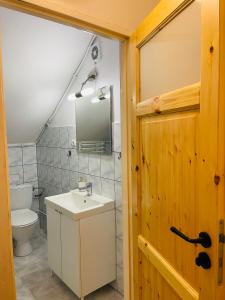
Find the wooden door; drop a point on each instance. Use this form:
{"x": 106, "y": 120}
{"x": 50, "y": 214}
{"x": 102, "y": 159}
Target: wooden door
{"x": 7, "y": 282}
{"x": 177, "y": 147}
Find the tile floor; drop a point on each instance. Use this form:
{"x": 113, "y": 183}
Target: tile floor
{"x": 35, "y": 282}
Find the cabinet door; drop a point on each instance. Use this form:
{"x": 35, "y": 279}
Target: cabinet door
{"x": 54, "y": 240}
{"x": 70, "y": 237}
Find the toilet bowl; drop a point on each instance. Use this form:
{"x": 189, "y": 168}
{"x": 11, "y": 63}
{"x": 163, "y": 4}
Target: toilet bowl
{"x": 23, "y": 218}
{"x": 23, "y": 224}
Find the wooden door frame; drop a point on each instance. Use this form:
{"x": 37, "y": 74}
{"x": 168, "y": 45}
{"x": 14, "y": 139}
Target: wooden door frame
{"x": 213, "y": 48}
{"x": 39, "y": 11}
{"x": 130, "y": 96}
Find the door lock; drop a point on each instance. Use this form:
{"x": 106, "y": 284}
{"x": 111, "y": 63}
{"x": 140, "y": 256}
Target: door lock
{"x": 203, "y": 238}
{"x": 203, "y": 260}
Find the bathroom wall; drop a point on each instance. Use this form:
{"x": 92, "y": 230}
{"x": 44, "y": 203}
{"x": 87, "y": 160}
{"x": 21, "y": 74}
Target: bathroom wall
{"x": 23, "y": 166}
{"x": 60, "y": 166}
{"x": 59, "y": 172}
{"x": 108, "y": 69}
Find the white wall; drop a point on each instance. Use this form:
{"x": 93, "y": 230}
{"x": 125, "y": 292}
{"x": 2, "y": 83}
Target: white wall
{"x": 108, "y": 69}
{"x": 39, "y": 58}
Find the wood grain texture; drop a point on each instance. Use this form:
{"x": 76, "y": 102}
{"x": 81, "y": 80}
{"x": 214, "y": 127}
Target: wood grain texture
{"x": 221, "y": 136}
{"x": 116, "y": 16}
{"x": 158, "y": 18}
{"x": 126, "y": 171}
{"x": 182, "y": 287}
{"x": 210, "y": 139}
{"x": 7, "y": 281}
{"x": 64, "y": 16}
{"x": 133, "y": 156}
{"x": 181, "y": 99}
{"x": 181, "y": 142}
{"x": 168, "y": 198}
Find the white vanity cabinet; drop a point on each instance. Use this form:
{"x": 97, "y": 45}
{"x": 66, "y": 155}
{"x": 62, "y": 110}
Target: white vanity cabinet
{"x": 82, "y": 252}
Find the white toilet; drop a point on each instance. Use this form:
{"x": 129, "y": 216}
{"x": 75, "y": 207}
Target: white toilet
{"x": 23, "y": 218}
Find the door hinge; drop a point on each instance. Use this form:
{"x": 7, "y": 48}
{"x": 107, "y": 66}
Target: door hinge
{"x": 222, "y": 238}
{"x": 220, "y": 251}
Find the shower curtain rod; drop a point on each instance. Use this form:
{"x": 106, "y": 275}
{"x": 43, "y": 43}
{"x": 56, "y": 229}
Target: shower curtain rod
{"x": 74, "y": 75}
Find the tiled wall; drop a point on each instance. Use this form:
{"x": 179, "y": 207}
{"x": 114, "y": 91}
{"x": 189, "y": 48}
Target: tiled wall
{"x": 22, "y": 164}
{"x": 58, "y": 172}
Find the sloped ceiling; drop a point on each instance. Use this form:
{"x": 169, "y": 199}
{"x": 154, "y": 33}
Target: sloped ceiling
{"x": 39, "y": 58}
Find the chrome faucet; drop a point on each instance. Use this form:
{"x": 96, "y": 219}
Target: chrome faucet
{"x": 88, "y": 188}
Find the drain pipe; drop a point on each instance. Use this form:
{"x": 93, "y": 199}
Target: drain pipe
{"x": 73, "y": 77}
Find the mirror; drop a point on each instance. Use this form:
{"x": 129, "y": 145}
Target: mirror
{"x": 94, "y": 122}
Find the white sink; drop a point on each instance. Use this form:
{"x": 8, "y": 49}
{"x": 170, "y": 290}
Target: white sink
{"x": 78, "y": 205}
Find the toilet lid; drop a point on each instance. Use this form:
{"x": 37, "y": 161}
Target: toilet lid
{"x": 23, "y": 217}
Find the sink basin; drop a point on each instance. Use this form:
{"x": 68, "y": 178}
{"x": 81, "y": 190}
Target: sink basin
{"x": 78, "y": 205}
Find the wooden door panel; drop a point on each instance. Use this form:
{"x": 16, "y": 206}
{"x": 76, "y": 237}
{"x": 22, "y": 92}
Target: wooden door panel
{"x": 154, "y": 285}
{"x": 168, "y": 195}
{"x": 177, "y": 142}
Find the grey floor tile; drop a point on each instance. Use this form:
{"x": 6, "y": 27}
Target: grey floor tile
{"x": 35, "y": 281}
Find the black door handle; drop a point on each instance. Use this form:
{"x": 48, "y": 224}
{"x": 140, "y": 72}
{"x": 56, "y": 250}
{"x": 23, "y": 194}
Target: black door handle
{"x": 203, "y": 238}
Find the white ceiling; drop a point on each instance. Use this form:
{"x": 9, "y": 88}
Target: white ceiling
{"x": 39, "y": 57}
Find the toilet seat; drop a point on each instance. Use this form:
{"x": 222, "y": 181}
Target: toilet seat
{"x": 23, "y": 217}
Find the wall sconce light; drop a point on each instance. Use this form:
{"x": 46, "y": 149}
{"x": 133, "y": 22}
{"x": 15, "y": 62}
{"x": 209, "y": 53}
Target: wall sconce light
{"x": 87, "y": 91}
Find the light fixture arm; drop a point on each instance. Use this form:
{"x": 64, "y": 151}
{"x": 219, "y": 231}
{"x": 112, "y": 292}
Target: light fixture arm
{"x": 91, "y": 76}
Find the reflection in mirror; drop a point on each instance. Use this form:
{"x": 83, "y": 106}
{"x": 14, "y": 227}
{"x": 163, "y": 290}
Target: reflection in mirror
{"x": 94, "y": 122}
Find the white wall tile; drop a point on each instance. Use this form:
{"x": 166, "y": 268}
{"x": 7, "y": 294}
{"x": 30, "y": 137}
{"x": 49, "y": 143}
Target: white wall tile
{"x": 48, "y": 137}
{"x": 55, "y": 137}
{"x": 119, "y": 224}
{"x": 57, "y": 173}
{"x": 96, "y": 185}
{"x": 15, "y": 156}
{"x": 119, "y": 252}
{"x": 74, "y": 164}
{"x": 65, "y": 180}
{"x": 16, "y": 175}
{"x": 72, "y": 135}
{"x": 116, "y": 137}
{"x": 108, "y": 188}
{"x": 119, "y": 283}
{"x": 63, "y": 137}
{"x": 56, "y": 152}
{"x": 118, "y": 195}
{"x": 73, "y": 180}
{"x": 118, "y": 167}
{"x": 29, "y": 155}
{"x": 94, "y": 164}
{"x": 83, "y": 177}
{"x": 83, "y": 163}
{"x": 30, "y": 173}
{"x": 38, "y": 152}
{"x": 43, "y": 155}
{"x": 65, "y": 159}
{"x": 108, "y": 166}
